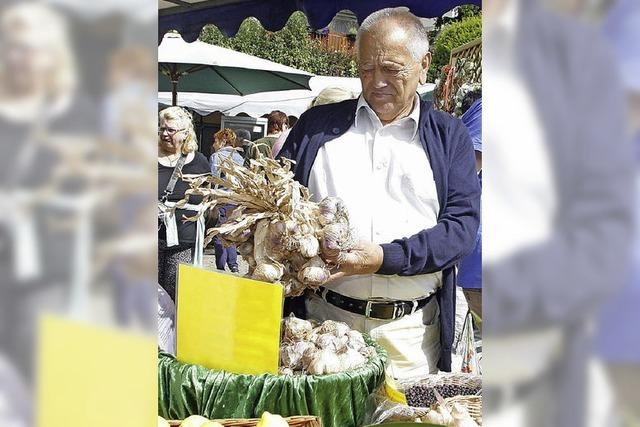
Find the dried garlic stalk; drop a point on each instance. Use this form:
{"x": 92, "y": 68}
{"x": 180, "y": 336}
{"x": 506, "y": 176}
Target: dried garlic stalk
{"x": 278, "y": 229}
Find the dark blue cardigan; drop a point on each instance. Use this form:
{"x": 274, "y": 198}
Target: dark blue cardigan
{"x": 439, "y": 248}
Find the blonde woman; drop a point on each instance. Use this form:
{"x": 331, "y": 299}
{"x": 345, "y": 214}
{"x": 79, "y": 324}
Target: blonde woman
{"x": 178, "y": 240}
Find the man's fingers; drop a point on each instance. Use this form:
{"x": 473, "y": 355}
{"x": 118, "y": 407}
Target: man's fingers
{"x": 336, "y": 276}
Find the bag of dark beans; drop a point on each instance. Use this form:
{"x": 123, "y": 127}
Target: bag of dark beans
{"x": 420, "y": 393}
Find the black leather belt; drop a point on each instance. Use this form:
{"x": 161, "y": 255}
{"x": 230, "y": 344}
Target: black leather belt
{"x": 376, "y": 309}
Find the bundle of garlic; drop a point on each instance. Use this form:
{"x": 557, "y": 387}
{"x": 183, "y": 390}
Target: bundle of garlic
{"x": 278, "y": 230}
{"x": 329, "y": 348}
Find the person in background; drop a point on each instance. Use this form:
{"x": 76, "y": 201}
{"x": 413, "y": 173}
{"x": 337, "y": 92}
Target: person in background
{"x": 328, "y": 95}
{"x": 470, "y": 269}
{"x": 224, "y": 147}
{"x": 558, "y": 213}
{"x": 243, "y": 140}
{"x": 278, "y": 122}
{"x": 617, "y": 333}
{"x": 177, "y": 238}
{"x": 41, "y": 101}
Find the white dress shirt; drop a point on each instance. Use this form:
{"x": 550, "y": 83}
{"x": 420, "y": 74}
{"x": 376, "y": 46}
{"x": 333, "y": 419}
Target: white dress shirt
{"x": 383, "y": 175}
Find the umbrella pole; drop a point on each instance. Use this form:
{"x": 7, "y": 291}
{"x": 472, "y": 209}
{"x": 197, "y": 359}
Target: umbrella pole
{"x": 174, "y": 92}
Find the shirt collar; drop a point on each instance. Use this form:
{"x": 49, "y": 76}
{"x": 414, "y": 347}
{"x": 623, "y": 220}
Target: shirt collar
{"x": 413, "y": 118}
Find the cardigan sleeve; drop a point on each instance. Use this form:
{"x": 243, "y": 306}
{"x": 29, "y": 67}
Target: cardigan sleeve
{"x": 291, "y": 148}
{"x": 443, "y": 245}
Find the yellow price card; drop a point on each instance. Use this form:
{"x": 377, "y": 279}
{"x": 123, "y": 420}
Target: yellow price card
{"x": 227, "y": 322}
{"x": 94, "y": 376}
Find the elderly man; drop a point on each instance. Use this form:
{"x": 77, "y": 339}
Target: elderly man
{"x": 407, "y": 176}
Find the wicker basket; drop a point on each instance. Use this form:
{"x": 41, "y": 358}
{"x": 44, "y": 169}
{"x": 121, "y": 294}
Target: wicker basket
{"x": 473, "y": 404}
{"x": 302, "y": 421}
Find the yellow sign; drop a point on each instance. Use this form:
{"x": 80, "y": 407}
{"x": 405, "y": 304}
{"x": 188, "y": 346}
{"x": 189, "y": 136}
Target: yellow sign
{"x": 227, "y": 322}
{"x": 95, "y": 376}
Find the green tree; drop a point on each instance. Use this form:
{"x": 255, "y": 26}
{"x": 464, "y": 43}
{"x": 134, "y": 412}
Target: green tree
{"x": 452, "y": 36}
{"x": 291, "y": 46}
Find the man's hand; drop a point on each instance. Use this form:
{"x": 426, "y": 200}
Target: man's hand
{"x": 363, "y": 258}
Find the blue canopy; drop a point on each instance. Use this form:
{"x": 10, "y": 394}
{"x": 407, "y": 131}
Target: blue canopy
{"x": 188, "y": 18}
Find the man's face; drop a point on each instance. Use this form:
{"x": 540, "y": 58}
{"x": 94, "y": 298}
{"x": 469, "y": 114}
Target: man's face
{"x": 388, "y": 72}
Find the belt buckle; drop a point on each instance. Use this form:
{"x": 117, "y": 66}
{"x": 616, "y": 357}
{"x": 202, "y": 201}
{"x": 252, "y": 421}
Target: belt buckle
{"x": 398, "y": 311}
{"x": 370, "y": 302}
{"x": 367, "y": 309}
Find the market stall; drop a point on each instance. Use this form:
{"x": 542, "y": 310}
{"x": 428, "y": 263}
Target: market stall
{"x": 292, "y": 245}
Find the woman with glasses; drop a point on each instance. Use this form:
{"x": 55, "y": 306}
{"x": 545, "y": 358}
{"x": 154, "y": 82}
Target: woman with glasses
{"x": 179, "y": 241}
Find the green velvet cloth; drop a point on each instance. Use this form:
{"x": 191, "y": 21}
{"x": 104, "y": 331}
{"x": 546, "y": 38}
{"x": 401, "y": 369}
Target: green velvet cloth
{"x": 338, "y": 399}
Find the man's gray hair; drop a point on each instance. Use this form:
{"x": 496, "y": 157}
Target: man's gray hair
{"x": 418, "y": 36}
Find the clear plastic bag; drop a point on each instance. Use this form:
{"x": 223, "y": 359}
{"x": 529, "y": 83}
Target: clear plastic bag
{"x": 381, "y": 409}
{"x": 467, "y": 348}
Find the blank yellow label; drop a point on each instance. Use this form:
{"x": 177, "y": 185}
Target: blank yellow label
{"x": 95, "y": 376}
{"x": 227, "y": 322}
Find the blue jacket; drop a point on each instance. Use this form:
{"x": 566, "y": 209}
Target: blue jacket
{"x": 470, "y": 269}
{"x": 450, "y": 151}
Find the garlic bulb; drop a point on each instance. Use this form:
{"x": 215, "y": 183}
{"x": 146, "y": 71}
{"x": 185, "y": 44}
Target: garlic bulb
{"x": 351, "y": 359}
{"x": 314, "y": 276}
{"x": 343, "y": 343}
{"x": 307, "y": 356}
{"x": 303, "y": 346}
{"x": 328, "y": 342}
{"x": 331, "y": 362}
{"x": 283, "y": 370}
{"x": 292, "y": 227}
{"x": 290, "y": 358}
{"x": 316, "y": 261}
{"x": 332, "y": 236}
{"x": 308, "y": 246}
{"x": 324, "y": 362}
{"x": 342, "y": 329}
{"x": 329, "y": 327}
{"x": 332, "y": 210}
{"x": 355, "y": 340}
{"x": 268, "y": 272}
{"x": 294, "y": 329}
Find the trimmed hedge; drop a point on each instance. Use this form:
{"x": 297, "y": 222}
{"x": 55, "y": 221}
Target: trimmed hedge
{"x": 452, "y": 36}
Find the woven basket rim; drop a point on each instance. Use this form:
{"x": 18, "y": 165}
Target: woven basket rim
{"x": 251, "y": 422}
